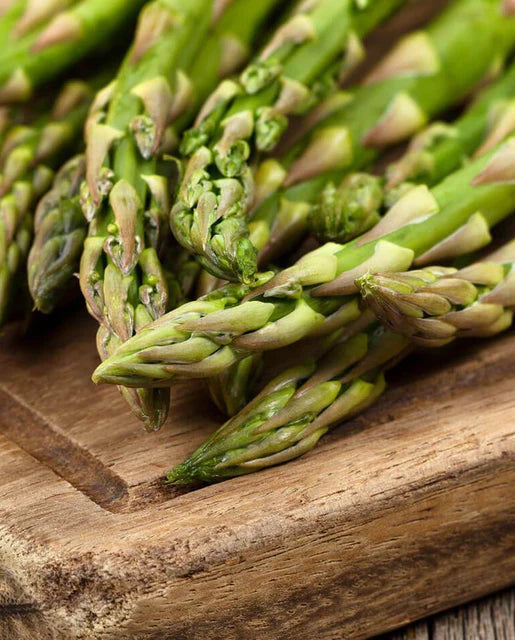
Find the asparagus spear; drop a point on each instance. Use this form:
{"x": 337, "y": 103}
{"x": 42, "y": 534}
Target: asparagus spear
{"x": 201, "y": 339}
{"x": 41, "y": 38}
{"x": 245, "y": 117}
{"x": 125, "y": 195}
{"x": 430, "y": 307}
{"x": 27, "y": 157}
{"x": 296, "y": 409}
{"x": 61, "y": 230}
{"x": 423, "y": 75}
{"x": 435, "y": 305}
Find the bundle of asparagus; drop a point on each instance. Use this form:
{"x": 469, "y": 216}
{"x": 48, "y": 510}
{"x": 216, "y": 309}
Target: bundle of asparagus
{"x": 57, "y": 247}
{"x": 125, "y": 267}
{"x": 102, "y": 203}
{"x": 202, "y": 338}
{"x": 430, "y": 307}
{"x": 339, "y": 143}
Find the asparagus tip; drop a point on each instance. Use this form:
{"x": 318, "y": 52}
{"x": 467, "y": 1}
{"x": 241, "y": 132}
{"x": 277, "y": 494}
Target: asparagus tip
{"x": 99, "y": 375}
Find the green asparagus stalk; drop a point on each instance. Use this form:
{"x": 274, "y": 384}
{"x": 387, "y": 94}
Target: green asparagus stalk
{"x": 133, "y": 123}
{"x": 430, "y": 307}
{"x": 441, "y": 148}
{"x": 41, "y": 38}
{"x": 57, "y": 248}
{"x": 60, "y": 231}
{"x": 296, "y": 409}
{"x": 27, "y": 159}
{"x": 435, "y": 305}
{"x": 245, "y": 117}
{"x": 342, "y": 212}
{"x": 423, "y": 75}
{"x": 231, "y": 389}
{"x": 202, "y": 338}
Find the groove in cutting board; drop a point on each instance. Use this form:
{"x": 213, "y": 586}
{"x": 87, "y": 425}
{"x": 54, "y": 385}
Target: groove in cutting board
{"x": 32, "y": 433}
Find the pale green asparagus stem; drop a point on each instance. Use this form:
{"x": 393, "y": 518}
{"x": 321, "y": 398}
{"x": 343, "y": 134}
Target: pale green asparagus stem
{"x": 41, "y": 38}
{"x": 442, "y": 148}
{"x": 201, "y": 339}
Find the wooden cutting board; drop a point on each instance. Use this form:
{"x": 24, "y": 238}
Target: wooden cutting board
{"x": 398, "y": 514}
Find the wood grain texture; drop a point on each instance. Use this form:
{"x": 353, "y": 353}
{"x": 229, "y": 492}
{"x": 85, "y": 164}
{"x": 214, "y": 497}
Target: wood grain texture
{"x": 491, "y": 618}
{"x": 401, "y": 513}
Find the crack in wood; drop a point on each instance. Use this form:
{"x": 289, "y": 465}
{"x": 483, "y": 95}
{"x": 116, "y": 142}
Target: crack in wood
{"x": 21, "y": 608}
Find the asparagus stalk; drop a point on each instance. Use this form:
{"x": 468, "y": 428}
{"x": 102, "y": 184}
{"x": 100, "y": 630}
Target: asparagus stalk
{"x": 342, "y": 212}
{"x": 231, "y": 389}
{"x": 245, "y": 117}
{"x": 422, "y": 76}
{"x": 27, "y": 159}
{"x": 61, "y": 230}
{"x": 429, "y": 307}
{"x": 41, "y": 38}
{"x": 203, "y": 338}
{"x": 133, "y": 123}
{"x": 441, "y": 148}
{"x": 435, "y": 305}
